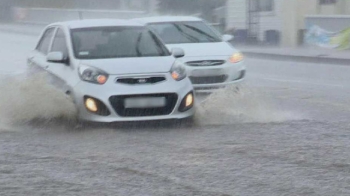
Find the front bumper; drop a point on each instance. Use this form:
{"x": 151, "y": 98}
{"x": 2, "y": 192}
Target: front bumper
{"x": 206, "y": 78}
{"x": 111, "y": 88}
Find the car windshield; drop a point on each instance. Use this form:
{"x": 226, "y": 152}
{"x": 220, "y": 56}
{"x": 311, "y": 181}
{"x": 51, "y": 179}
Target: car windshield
{"x": 116, "y": 42}
{"x": 185, "y": 32}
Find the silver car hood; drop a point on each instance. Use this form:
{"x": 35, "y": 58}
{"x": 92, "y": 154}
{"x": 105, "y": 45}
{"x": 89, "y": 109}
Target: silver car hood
{"x": 205, "y": 49}
{"x": 121, "y": 66}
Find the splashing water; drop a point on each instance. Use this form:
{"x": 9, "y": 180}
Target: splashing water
{"x": 245, "y": 105}
{"x": 23, "y": 100}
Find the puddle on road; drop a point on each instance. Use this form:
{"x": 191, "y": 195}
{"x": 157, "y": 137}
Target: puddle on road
{"x": 246, "y": 105}
{"x": 24, "y": 100}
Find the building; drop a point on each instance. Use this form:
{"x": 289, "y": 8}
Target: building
{"x": 283, "y": 18}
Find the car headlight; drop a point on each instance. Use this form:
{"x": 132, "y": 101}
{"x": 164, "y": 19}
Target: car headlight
{"x": 178, "y": 71}
{"x": 236, "y": 57}
{"x": 93, "y": 75}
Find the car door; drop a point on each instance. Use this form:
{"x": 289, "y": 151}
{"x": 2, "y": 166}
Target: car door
{"x": 37, "y": 59}
{"x": 62, "y": 72}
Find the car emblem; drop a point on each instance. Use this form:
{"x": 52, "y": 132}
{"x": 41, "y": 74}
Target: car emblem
{"x": 142, "y": 80}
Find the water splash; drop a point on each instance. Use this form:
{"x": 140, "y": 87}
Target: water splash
{"x": 24, "y": 100}
{"x": 245, "y": 105}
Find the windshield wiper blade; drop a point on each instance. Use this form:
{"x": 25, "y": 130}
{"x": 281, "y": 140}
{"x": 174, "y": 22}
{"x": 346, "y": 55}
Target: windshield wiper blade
{"x": 160, "y": 46}
{"x": 138, "y": 52}
{"x": 200, "y": 32}
{"x": 188, "y": 36}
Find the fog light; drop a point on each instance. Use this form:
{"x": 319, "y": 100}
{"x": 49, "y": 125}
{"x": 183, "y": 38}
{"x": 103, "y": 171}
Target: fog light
{"x": 91, "y": 105}
{"x": 189, "y": 100}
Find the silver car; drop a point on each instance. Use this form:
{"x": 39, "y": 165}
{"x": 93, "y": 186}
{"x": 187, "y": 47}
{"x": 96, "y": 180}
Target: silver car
{"x": 114, "y": 70}
{"x": 211, "y": 61}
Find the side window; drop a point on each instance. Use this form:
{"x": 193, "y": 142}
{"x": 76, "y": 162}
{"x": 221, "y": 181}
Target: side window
{"x": 59, "y": 43}
{"x": 44, "y": 43}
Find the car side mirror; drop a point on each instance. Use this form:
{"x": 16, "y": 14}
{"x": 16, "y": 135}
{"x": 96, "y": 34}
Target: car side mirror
{"x": 178, "y": 52}
{"x": 227, "y": 38}
{"x": 56, "y": 57}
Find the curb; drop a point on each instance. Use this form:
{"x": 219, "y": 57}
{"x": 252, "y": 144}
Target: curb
{"x": 297, "y": 58}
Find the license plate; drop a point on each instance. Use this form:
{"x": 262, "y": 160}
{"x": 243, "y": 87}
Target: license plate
{"x": 145, "y": 102}
{"x": 206, "y": 72}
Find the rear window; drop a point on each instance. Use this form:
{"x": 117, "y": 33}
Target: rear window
{"x": 116, "y": 42}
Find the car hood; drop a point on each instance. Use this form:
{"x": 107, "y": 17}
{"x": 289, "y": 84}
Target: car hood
{"x": 205, "y": 49}
{"x": 144, "y": 65}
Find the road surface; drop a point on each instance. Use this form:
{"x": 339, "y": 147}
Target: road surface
{"x": 286, "y": 132}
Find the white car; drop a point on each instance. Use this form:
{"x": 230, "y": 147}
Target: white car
{"x": 211, "y": 61}
{"x": 114, "y": 70}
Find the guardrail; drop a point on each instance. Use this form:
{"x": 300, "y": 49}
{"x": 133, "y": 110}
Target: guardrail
{"x": 48, "y": 15}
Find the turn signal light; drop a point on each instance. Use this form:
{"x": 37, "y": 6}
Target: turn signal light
{"x": 101, "y": 79}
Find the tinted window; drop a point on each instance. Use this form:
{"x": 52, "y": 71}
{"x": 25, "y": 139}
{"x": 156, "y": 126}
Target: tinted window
{"x": 59, "y": 43}
{"x": 185, "y": 32}
{"x": 116, "y": 42}
{"x": 44, "y": 43}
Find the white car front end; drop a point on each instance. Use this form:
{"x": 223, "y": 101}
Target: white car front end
{"x": 120, "y": 90}
{"x": 142, "y": 89}
{"x": 212, "y": 65}
{"x": 211, "y": 61}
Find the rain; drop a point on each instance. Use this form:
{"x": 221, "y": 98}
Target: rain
{"x": 174, "y": 97}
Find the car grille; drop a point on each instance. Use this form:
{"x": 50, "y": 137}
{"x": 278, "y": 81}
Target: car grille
{"x": 208, "y": 79}
{"x": 117, "y": 103}
{"x": 206, "y": 63}
{"x": 140, "y": 80}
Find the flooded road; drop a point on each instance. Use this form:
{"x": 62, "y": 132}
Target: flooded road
{"x": 285, "y": 132}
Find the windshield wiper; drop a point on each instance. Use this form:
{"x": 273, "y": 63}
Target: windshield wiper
{"x": 160, "y": 47}
{"x": 138, "y": 52}
{"x": 188, "y": 36}
{"x": 210, "y": 37}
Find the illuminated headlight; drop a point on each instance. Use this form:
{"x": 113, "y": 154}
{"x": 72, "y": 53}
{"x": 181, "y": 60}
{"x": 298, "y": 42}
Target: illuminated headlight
{"x": 96, "y": 106}
{"x": 187, "y": 102}
{"x": 93, "y": 75}
{"x": 91, "y": 105}
{"x": 178, "y": 71}
{"x": 236, "y": 57}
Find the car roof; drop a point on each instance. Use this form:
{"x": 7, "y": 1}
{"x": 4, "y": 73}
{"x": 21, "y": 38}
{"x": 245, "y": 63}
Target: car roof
{"x": 160, "y": 19}
{"x": 76, "y": 24}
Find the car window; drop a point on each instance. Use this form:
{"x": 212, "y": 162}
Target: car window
{"x": 45, "y": 41}
{"x": 116, "y": 42}
{"x": 59, "y": 43}
{"x": 185, "y": 32}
